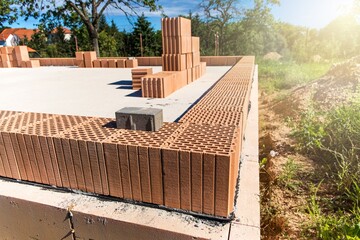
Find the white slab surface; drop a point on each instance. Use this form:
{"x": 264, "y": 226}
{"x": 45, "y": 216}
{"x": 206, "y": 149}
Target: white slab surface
{"x": 91, "y": 92}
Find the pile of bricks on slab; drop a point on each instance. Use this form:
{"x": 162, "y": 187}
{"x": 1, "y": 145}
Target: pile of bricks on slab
{"x": 57, "y": 61}
{"x": 90, "y": 60}
{"x": 180, "y": 60}
{"x": 149, "y": 61}
{"x": 220, "y": 60}
{"x": 190, "y": 165}
{"x": 16, "y": 57}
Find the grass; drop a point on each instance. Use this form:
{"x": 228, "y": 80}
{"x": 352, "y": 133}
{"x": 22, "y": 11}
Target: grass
{"x": 333, "y": 139}
{"x": 288, "y": 174}
{"x": 334, "y": 225}
{"x": 275, "y": 76}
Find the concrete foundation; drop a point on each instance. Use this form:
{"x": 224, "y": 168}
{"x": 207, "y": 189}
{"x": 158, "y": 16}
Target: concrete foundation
{"x": 34, "y": 212}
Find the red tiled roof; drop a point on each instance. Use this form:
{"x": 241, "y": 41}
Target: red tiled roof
{"x": 20, "y": 32}
{"x": 66, "y": 30}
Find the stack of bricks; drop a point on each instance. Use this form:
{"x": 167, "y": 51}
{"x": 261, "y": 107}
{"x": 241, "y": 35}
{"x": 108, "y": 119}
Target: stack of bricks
{"x": 162, "y": 84}
{"x": 90, "y": 60}
{"x": 137, "y": 74}
{"x": 57, "y": 61}
{"x": 181, "y": 57}
{"x": 190, "y": 165}
{"x": 149, "y": 61}
{"x": 16, "y": 57}
{"x": 181, "y": 50}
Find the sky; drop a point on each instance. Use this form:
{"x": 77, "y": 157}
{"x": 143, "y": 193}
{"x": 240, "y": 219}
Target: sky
{"x": 307, "y": 13}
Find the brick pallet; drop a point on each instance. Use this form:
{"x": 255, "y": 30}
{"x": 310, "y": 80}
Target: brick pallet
{"x": 137, "y": 74}
{"x": 190, "y": 165}
{"x": 162, "y": 84}
{"x": 90, "y": 60}
{"x": 181, "y": 51}
{"x": 16, "y": 57}
{"x": 181, "y": 57}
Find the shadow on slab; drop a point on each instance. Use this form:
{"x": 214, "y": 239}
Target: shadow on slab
{"x": 122, "y": 82}
{"x": 135, "y": 94}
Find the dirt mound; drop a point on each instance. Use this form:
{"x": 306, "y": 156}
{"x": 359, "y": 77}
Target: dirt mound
{"x": 337, "y": 87}
{"x": 274, "y": 56}
{"x": 316, "y": 58}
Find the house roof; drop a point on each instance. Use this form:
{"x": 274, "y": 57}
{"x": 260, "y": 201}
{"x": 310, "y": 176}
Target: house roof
{"x": 66, "y": 30}
{"x": 20, "y": 32}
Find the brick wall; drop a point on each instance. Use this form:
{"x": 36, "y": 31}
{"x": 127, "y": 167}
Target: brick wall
{"x": 190, "y": 165}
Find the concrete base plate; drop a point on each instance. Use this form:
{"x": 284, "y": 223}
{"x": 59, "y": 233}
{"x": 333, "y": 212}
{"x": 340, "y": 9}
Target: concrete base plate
{"x": 34, "y": 212}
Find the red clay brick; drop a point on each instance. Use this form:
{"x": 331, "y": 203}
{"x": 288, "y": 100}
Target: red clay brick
{"x": 131, "y": 63}
{"x": 32, "y": 158}
{"x": 18, "y": 157}
{"x": 104, "y": 63}
{"x": 70, "y": 166}
{"x": 113, "y": 169}
{"x": 54, "y": 162}
{"x": 25, "y": 156}
{"x": 185, "y": 180}
{"x": 10, "y": 155}
{"x": 2, "y": 168}
{"x": 95, "y": 168}
{"x": 120, "y": 63}
{"x": 39, "y": 159}
{"x": 5, "y": 159}
{"x": 86, "y": 167}
{"x": 171, "y": 178}
{"x": 97, "y": 63}
{"x": 144, "y": 165}
{"x": 47, "y": 160}
{"x": 196, "y": 181}
{"x": 103, "y": 171}
{"x": 156, "y": 175}
{"x": 125, "y": 171}
{"x": 222, "y": 191}
{"x": 112, "y": 63}
{"x": 135, "y": 173}
{"x": 209, "y": 184}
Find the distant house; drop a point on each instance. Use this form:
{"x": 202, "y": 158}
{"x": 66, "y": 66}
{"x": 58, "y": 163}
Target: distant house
{"x": 12, "y": 36}
{"x": 67, "y": 33}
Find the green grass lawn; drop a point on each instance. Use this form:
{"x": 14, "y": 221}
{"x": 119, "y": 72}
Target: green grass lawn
{"x": 275, "y": 76}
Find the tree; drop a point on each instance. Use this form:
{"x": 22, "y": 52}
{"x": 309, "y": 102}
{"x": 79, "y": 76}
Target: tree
{"x": 107, "y": 44}
{"x": 143, "y": 27}
{"x": 8, "y": 12}
{"x": 257, "y": 31}
{"x": 200, "y": 29}
{"x": 89, "y": 12}
{"x": 221, "y": 13}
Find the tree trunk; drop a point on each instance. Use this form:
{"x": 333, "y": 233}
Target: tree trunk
{"x": 95, "y": 43}
{"x": 94, "y": 37}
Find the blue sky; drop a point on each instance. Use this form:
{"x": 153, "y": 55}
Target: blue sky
{"x": 308, "y": 13}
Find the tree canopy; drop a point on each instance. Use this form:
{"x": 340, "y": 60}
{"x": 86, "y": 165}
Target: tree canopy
{"x": 242, "y": 30}
{"x": 88, "y": 12}
{"x": 8, "y": 13}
